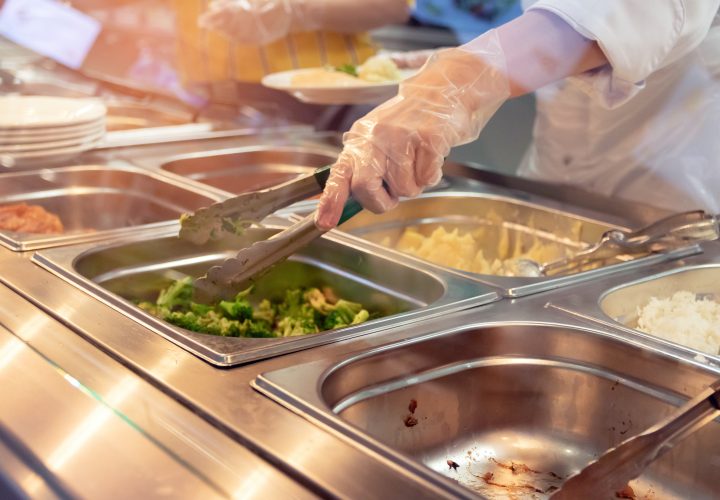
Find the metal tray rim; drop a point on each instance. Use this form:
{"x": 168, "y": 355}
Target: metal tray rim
{"x": 19, "y": 243}
{"x": 307, "y": 403}
{"x": 514, "y": 287}
{"x": 254, "y": 148}
{"x": 455, "y": 298}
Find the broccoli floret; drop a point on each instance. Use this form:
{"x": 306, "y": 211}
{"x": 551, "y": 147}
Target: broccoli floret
{"x": 361, "y": 317}
{"x": 177, "y": 296}
{"x": 297, "y": 317}
{"x": 290, "y": 326}
{"x": 259, "y": 329}
{"x": 300, "y": 313}
{"x": 345, "y": 313}
{"x": 200, "y": 309}
{"x": 265, "y": 311}
{"x": 187, "y": 320}
{"x": 227, "y": 328}
{"x": 239, "y": 310}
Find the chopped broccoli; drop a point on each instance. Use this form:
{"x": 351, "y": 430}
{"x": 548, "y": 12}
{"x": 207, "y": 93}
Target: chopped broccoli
{"x": 265, "y": 312}
{"x": 361, "y": 317}
{"x": 301, "y": 312}
{"x": 344, "y": 313}
{"x": 260, "y": 329}
{"x": 200, "y": 309}
{"x": 239, "y": 309}
{"x": 178, "y": 295}
{"x": 297, "y": 317}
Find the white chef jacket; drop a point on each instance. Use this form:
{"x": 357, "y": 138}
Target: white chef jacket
{"x": 646, "y": 127}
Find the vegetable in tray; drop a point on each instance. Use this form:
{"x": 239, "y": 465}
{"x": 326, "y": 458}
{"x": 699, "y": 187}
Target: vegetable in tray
{"x": 301, "y": 312}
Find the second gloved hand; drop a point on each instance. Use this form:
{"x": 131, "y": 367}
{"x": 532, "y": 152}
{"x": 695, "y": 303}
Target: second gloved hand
{"x": 257, "y": 21}
{"x": 398, "y": 149}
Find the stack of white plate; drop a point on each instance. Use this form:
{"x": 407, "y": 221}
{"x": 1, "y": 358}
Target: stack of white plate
{"x": 39, "y": 129}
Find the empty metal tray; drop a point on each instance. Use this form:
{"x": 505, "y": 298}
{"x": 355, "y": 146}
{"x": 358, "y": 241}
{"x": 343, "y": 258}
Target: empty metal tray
{"x": 506, "y": 410}
{"x": 251, "y": 168}
{"x": 508, "y": 222}
{"x": 97, "y": 202}
{"x": 122, "y": 273}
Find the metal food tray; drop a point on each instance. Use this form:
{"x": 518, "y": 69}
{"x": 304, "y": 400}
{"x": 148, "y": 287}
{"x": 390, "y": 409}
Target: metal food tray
{"x": 99, "y": 202}
{"x": 123, "y": 272}
{"x": 528, "y": 402}
{"x": 613, "y": 302}
{"x": 251, "y": 168}
{"x": 523, "y": 220}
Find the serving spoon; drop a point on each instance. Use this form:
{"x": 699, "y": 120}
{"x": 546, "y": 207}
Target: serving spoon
{"x": 660, "y": 236}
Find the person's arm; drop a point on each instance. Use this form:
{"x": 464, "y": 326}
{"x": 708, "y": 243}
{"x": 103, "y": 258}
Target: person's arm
{"x": 553, "y": 51}
{"x": 398, "y": 148}
{"x": 263, "y": 21}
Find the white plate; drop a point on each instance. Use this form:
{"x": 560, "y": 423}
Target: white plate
{"x": 32, "y": 112}
{"x": 50, "y": 131}
{"x": 360, "y": 93}
{"x": 40, "y": 145}
{"x": 46, "y": 156}
{"x": 33, "y": 138}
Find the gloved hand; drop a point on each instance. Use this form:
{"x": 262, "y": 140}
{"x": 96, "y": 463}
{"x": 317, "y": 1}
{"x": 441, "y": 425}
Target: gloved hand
{"x": 398, "y": 149}
{"x": 259, "y": 21}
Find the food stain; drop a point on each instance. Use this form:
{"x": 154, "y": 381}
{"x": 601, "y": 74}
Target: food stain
{"x": 410, "y": 420}
{"x": 518, "y": 480}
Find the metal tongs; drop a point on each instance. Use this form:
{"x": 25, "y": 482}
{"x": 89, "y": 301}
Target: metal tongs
{"x": 620, "y": 465}
{"x": 663, "y": 235}
{"x": 236, "y": 273}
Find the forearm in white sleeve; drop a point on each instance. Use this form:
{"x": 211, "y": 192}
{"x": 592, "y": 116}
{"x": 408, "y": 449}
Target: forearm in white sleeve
{"x": 638, "y": 37}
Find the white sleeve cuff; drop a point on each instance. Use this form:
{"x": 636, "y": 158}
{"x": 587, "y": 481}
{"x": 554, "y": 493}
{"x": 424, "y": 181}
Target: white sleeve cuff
{"x": 635, "y": 37}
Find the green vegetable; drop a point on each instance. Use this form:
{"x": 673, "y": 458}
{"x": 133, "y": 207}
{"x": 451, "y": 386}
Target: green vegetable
{"x": 301, "y": 312}
{"x": 350, "y": 69}
{"x": 345, "y": 313}
{"x": 297, "y": 316}
{"x": 177, "y": 295}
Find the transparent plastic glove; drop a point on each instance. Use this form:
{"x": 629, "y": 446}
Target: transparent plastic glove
{"x": 398, "y": 149}
{"x": 258, "y": 21}
{"x": 412, "y": 59}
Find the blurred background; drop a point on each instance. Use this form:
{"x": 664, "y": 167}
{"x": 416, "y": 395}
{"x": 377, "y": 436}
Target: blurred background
{"x": 140, "y": 44}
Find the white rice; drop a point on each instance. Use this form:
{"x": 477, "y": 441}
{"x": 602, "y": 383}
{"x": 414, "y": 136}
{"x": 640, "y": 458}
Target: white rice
{"x": 683, "y": 319}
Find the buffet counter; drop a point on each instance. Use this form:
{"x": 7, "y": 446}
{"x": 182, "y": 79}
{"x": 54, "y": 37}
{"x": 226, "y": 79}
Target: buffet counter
{"x": 421, "y": 403}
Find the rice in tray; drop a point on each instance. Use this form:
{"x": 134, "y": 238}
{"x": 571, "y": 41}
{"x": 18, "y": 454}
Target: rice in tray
{"x": 685, "y": 319}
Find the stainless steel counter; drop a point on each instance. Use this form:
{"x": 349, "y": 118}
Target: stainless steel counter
{"x": 228, "y": 404}
{"x": 75, "y": 422}
{"x": 206, "y": 427}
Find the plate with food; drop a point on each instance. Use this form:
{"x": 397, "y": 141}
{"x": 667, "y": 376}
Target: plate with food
{"x": 372, "y": 82}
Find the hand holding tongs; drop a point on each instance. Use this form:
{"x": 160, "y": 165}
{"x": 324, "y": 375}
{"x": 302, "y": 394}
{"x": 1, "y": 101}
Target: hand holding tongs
{"x": 236, "y": 273}
{"x": 618, "y": 466}
{"x": 663, "y": 235}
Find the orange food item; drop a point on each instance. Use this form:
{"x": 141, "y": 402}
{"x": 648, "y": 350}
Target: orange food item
{"x": 23, "y": 218}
